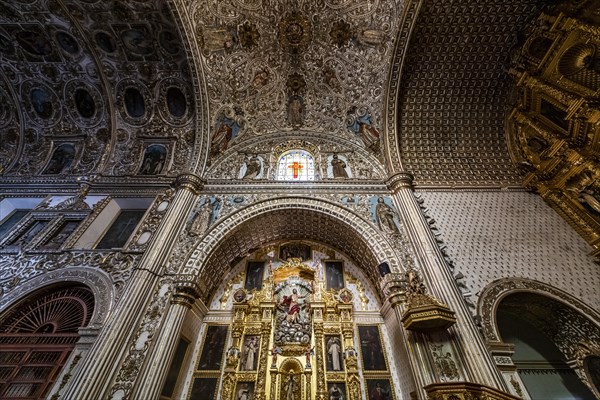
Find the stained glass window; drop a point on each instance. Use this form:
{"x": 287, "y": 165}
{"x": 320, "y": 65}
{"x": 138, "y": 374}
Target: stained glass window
{"x": 296, "y": 165}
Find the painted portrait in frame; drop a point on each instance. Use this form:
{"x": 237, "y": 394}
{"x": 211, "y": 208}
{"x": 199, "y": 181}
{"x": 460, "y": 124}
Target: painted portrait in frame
{"x": 379, "y": 389}
{"x": 254, "y": 275}
{"x": 371, "y": 349}
{"x": 334, "y": 275}
{"x": 204, "y": 389}
{"x": 211, "y": 358}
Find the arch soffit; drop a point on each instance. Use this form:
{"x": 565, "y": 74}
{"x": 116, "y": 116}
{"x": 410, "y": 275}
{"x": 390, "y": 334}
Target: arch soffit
{"x": 98, "y": 281}
{"x": 495, "y": 292}
{"x": 203, "y": 258}
{"x": 190, "y": 44}
{"x": 410, "y": 13}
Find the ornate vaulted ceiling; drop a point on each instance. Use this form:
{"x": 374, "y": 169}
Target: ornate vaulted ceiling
{"x": 101, "y": 82}
{"x": 93, "y": 83}
{"x": 454, "y": 88}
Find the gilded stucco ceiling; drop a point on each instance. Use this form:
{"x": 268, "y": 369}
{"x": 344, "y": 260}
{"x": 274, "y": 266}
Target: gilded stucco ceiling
{"x": 296, "y": 66}
{"x": 216, "y": 74}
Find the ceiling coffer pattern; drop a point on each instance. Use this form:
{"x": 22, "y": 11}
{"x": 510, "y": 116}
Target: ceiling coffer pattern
{"x": 454, "y": 88}
{"x": 88, "y": 86}
{"x": 273, "y": 66}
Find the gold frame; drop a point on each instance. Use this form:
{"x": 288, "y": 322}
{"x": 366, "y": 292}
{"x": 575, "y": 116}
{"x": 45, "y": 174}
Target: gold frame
{"x": 219, "y": 371}
{"x": 385, "y": 358}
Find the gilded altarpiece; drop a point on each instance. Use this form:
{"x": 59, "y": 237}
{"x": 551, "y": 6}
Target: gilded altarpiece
{"x": 292, "y": 340}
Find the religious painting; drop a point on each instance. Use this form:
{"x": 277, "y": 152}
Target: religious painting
{"x": 239, "y": 295}
{"x": 379, "y": 389}
{"x": 371, "y": 349}
{"x": 41, "y": 101}
{"x": 121, "y": 229}
{"x": 336, "y": 391}
{"x": 334, "y": 275}
{"x": 254, "y": 275}
{"x": 58, "y": 238}
{"x": 250, "y": 349}
{"x": 61, "y": 160}
{"x": 295, "y": 250}
{"x": 138, "y": 41}
{"x": 211, "y": 358}
{"x": 384, "y": 214}
{"x": 292, "y": 320}
{"x": 244, "y": 391}
{"x": 204, "y": 389}
{"x": 226, "y": 131}
{"x": 333, "y": 350}
{"x": 154, "y": 160}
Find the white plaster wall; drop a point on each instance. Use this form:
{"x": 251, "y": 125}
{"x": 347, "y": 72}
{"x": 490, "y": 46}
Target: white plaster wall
{"x": 491, "y": 235}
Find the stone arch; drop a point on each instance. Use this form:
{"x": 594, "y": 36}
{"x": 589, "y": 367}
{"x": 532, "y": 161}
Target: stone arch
{"x": 496, "y": 291}
{"x": 98, "y": 281}
{"x": 308, "y": 218}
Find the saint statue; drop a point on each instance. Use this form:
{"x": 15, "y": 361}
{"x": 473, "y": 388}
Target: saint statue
{"x": 290, "y": 386}
{"x": 252, "y": 167}
{"x": 339, "y": 167}
{"x": 385, "y": 217}
{"x": 293, "y": 311}
{"x": 334, "y": 349}
{"x": 250, "y": 350}
{"x": 244, "y": 393}
{"x": 201, "y": 220}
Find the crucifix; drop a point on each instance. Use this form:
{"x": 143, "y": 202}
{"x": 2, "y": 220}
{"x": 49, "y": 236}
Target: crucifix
{"x": 296, "y": 167}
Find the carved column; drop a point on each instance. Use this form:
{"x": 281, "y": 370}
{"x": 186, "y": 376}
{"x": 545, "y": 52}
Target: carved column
{"x": 122, "y": 332}
{"x": 158, "y": 360}
{"x": 458, "y": 353}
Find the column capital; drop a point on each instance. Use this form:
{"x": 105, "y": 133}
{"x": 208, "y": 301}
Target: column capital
{"x": 186, "y": 291}
{"x": 191, "y": 182}
{"x": 399, "y": 181}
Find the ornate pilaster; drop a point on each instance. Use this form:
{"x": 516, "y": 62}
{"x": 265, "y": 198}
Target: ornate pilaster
{"x": 458, "y": 354}
{"x": 141, "y": 305}
{"x": 320, "y": 363}
{"x": 158, "y": 360}
{"x": 263, "y": 365}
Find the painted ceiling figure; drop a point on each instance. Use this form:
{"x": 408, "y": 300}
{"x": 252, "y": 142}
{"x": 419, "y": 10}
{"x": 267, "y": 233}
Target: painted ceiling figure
{"x": 385, "y": 216}
{"x": 339, "y": 167}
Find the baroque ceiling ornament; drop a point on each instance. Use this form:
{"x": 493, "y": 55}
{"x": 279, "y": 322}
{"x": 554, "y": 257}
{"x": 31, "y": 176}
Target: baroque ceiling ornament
{"x": 339, "y": 74}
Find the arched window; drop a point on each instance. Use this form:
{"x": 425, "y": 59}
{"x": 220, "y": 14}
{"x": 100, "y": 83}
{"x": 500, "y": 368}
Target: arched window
{"x": 296, "y": 165}
{"x": 36, "y": 337}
